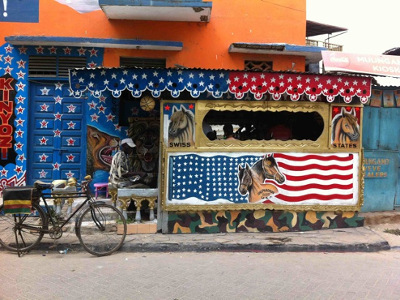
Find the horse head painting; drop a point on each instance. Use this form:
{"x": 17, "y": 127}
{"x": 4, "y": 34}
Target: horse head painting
{"x": 181, "y": 128}
{"x": 345, "y": 128}
{"x": 245, "y": 179}
{"x": 271, "y": 170}
{"x": 251, "y": 180}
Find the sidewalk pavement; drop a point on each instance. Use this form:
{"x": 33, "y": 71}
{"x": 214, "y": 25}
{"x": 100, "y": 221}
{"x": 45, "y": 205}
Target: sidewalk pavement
{"x": 372, "y": 237}
{"x": 350, "y": 239}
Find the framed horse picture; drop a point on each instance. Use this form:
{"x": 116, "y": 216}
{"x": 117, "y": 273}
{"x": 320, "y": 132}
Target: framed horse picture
{"x": 179, "y": 124}
{"x": 345, "y": 127}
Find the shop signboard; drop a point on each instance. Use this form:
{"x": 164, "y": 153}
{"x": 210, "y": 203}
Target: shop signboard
{"x": 386, "y": 65}
{"x": 25, "y": 11}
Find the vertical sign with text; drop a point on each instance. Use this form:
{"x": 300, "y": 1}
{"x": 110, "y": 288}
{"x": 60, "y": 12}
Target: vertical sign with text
{"x": 7, "y": 116}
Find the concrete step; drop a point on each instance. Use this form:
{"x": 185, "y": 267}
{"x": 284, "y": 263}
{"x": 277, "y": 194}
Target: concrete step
{"x": 381, "y": 217}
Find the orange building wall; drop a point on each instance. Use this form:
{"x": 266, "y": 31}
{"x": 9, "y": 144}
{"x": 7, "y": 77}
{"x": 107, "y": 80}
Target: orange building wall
{"x": 205, "y": 45}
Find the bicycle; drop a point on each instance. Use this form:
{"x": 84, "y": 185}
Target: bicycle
{"x": 100, "y": 227}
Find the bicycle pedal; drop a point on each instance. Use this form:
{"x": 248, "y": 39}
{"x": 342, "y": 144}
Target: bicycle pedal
{"x": 68, "y": 228}
{"x": 53, "y": 246}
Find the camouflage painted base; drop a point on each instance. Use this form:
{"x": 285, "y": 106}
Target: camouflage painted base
{"x": 260, "y": 221}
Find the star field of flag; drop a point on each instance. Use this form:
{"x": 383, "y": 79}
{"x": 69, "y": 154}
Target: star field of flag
{"x": 207, "y": 178}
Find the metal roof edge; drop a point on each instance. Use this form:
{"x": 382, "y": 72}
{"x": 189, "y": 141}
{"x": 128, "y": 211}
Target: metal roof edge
{"x": 186, "y": 3}
{"x": 268, "y": 47}
{"x": 338, "y": 73}
{"x": 95, "y": 42}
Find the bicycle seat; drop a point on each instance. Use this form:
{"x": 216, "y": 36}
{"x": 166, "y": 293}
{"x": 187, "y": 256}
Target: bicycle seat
{"x": 40, "y": 185}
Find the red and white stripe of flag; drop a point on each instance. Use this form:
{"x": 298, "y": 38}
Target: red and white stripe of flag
{"x": 326, "y": 179}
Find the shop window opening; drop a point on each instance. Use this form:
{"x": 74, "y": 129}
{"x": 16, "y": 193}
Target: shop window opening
{"x": 267, "y": 125}
{"x": 253, "y": 65}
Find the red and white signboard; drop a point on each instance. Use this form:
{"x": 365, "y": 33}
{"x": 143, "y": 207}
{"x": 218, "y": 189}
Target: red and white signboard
{"x": 387, "y": 65}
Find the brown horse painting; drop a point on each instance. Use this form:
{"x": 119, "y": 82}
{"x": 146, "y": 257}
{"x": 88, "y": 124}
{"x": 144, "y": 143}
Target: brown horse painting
{"x": 245, "y": 179}
{"x": 267, "y": 168}
{"x": 345, "y": 129}
{"x": 251, "y": 180}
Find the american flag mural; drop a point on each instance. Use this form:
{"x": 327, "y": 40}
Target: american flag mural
{"x": 310, "y": 178}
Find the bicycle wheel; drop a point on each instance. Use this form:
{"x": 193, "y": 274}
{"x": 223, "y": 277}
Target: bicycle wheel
{"x": 26, "y": 228}
{"x": 101, "y": 229}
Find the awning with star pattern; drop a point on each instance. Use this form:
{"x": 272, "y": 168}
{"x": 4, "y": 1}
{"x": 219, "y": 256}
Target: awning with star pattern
{"x": 218, "y": 83}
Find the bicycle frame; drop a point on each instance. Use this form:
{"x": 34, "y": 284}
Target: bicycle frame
{"x": 47, "y": 196}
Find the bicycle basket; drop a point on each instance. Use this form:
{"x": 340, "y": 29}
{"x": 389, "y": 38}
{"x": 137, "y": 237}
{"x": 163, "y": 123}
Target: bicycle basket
{"x": 18, "y": 200}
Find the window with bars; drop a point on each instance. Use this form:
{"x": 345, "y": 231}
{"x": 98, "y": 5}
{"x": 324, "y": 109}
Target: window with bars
{"x": 252, "y": 65}
{"x": 54, "y": 66}
{"x": 143, "y": 62}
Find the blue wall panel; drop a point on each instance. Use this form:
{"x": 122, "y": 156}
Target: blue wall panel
{"x": 397, "y": 202}
{"x": 371, "y": 128}
{"x": 381, "y": 139}
{"x": 389, "y": 135}
{"x": 381, "y": 180}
